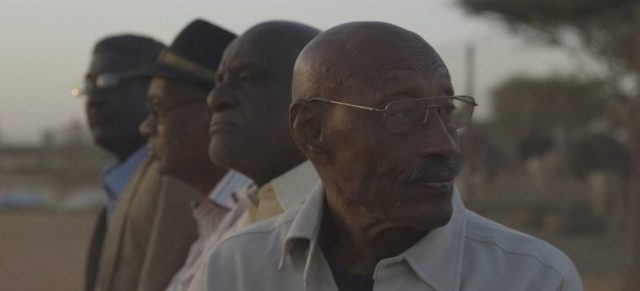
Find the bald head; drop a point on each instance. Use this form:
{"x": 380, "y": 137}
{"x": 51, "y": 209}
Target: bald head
{"x": 373, "y": 110}
{"x": 295, "y": 35}
{"x": 280, "y": 41}
{"x": 348, "y": 56}
{"x": 251, "y": 100}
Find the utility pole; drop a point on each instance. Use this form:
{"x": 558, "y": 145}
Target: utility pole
{"x": 470, "y": 66}
{"x": 1, "y": 137}
{"x": 470, "y": 151}
{"x": 633, "y": 279}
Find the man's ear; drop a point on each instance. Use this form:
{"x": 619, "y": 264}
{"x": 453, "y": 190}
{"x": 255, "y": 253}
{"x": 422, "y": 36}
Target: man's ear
{"x": 307, "y": 132}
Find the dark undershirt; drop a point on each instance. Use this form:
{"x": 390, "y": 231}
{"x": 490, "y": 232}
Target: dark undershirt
{"x": 351, "y": 282}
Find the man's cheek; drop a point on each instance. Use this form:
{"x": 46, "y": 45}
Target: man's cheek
{"x": 376, "y": 178}
{"x": 393, "y": 175}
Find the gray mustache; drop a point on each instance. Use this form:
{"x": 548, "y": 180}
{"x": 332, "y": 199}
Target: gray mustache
{"x": 435, "y": 169}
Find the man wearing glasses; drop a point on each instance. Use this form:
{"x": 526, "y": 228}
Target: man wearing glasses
{"x": 115, "y": 92}
{"x": 152, "y": 232}
{"x": 375, "y": 111}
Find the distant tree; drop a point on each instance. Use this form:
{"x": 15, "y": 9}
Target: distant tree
{"x": 525, "y": 107}
{"x": 609, "y": 30}
{"x": 599, "y": 152}
{"x": 606, "y": 29}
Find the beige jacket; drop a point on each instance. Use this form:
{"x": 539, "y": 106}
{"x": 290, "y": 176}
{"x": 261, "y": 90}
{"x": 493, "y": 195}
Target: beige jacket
{"x": 149, "y": 235}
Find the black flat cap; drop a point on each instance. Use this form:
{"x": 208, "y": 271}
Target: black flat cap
{"x": 194, "y": 55}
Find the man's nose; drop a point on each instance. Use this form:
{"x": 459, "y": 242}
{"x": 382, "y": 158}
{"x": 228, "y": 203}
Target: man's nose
{"x": 148, "y": 127}
{"x": 439, "y": 141}
{"x": 222, "y": 98}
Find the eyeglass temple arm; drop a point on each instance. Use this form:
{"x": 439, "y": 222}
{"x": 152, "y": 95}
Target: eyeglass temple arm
{"x": 470, "y": 101}
{"x": 349, "y": 105}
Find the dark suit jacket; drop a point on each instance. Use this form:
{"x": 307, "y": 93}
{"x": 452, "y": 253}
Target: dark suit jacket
{"x": 95, "y": 248}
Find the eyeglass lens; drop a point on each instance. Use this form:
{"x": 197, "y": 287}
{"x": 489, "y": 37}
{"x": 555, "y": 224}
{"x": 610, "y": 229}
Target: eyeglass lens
{"x": 409, "y": 115}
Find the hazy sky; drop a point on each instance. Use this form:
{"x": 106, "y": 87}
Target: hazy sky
{"x": 45, "y": 45}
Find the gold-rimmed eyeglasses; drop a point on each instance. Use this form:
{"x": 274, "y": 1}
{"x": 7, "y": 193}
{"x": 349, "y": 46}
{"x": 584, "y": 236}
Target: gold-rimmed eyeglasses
{"x": 409, "y": 115}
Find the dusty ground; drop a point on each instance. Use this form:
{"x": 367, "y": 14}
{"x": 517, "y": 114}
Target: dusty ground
{"x": 44, "y": 250}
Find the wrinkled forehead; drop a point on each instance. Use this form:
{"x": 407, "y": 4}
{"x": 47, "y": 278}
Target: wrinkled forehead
{"x": 400, "y": 77}
{"x": 390, "y": 65}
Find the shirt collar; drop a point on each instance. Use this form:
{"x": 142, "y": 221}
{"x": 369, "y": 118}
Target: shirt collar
{"x": 306, "y": 224}
{"x": 116, "y": 176}
{"x": 436, "y": 258}
{"x": 228, "y": 185}
{"x": 290, "y": 186}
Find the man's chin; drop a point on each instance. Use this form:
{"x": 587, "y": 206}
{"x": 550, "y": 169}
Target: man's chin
{"x": 425, "y": 217}
{"x": 103, "y": 137}
{"x": 224, "y": 153}
{"x": 115, "y": 139}
{"x": 108, "y": 141}
{"x": 436, "y": 220}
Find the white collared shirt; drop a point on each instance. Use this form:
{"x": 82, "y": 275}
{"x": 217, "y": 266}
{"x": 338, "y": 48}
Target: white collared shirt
{"x": 293, "y": 187}
{"x": 285, "y": 191}
{"x": 210, "y": 217}
{"x": 223, "y": 193}
{"x": 281, "y": 193}
{"x": 469, "y": 253}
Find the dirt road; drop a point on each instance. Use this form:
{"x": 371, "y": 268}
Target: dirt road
{"x": 43, "y": 250}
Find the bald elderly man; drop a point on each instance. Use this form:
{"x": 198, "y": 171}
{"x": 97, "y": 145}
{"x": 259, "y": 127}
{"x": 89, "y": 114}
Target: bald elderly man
{"x": 249, "y": 130}
{"x": 375, "y": 111}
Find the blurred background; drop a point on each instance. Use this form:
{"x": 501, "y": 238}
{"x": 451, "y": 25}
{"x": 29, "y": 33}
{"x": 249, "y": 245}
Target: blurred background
{"x": 552, "y": 149}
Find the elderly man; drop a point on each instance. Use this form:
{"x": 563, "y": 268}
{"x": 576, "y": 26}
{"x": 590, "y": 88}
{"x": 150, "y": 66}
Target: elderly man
{"x": 115, "y": 107}
{"x": 375, "y": 111}
{"x": 178, "y": 137}
{"x": 153, "y": 231}
{"x": 249, "y": 129}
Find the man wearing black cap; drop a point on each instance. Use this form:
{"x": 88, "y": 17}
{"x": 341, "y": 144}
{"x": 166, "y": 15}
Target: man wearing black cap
{"x": 154, "y": 231}
{"x": 115, "y": 91}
